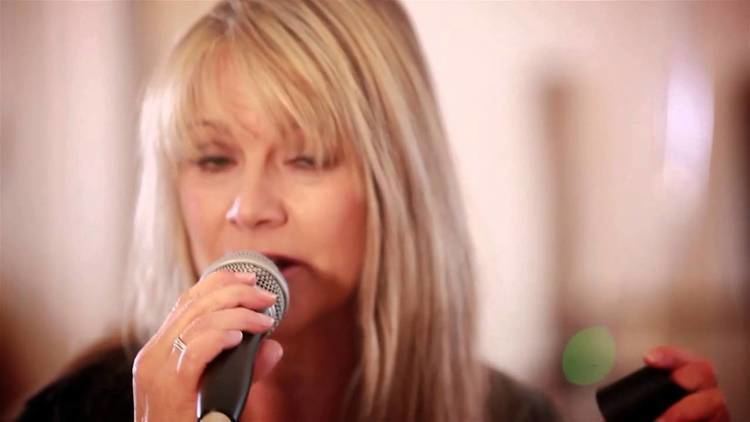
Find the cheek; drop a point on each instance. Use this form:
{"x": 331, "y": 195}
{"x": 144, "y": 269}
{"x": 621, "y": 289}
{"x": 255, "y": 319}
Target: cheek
{"x": 190, "y": 207}
{"x": 202, "y": 214}
{"x": 340, "y": 232}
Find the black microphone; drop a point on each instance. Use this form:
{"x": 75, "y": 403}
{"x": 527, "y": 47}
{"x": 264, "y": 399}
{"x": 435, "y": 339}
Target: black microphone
{"x": 641, "y": 396}
{"x": 226, "y": 381}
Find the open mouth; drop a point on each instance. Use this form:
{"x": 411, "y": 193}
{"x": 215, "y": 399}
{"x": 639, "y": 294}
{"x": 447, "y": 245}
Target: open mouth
{"x": 282, "y": 262}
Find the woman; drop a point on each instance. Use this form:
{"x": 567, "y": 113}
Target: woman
{"x": 307, "y": 131}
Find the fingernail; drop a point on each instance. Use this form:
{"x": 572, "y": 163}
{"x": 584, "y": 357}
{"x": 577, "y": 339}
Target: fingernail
{"x": 234, "y": 336}
{"x": 248, "y": 277}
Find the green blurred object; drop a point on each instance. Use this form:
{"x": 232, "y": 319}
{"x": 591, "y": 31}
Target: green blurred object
{"x": 589, "y": 356}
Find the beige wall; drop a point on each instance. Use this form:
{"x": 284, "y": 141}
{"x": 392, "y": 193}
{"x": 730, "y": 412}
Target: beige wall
{"x": 72, "y": 73}
{"x": 602, "y": 188}
{"x": 67, "y": 147}
{"x": 558, "y": 114}
{"x": 590, "y": 199}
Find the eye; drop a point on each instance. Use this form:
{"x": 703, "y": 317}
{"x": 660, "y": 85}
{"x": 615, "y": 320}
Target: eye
{"x": 304, "y": 162}
{"x": 214, "y": 163}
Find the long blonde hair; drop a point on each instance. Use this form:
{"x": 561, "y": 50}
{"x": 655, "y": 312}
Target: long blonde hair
{"x": 343, "y": 72}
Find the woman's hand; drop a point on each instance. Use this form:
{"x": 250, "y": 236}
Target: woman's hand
{"x": 209, "y": 318}
{"x": 706, "y": 401}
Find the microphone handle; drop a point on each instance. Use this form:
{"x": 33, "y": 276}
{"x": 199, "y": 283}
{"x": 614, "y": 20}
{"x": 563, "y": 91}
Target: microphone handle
{"x": 227, "y": 380}
{"x": 639, "y": 397}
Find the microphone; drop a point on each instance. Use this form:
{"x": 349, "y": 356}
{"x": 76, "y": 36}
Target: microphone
{"x": 639, "y": 397}
{"x": 226, "y": 381}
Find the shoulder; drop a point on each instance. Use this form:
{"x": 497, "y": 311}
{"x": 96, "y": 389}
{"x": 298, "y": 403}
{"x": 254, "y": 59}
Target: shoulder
{"x": 98, "y": 388}
{"x": 507, "y": 399}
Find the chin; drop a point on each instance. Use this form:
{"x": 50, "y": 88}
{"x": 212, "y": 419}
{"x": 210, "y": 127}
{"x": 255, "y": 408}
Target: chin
{"x": 306, "y": 317}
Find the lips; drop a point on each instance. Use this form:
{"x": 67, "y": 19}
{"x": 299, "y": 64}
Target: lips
{"x": 285, "y": 264}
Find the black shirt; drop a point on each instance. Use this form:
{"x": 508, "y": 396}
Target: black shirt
{"x": 102, "y": 390}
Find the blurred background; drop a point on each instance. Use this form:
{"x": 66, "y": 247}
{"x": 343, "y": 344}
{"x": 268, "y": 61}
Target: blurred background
{"x": 602, "y": 148}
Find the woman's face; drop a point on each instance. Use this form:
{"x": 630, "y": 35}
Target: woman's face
{"x": 248, "y": 189}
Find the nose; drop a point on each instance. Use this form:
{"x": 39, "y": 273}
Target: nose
{"x": 256, "y": 205}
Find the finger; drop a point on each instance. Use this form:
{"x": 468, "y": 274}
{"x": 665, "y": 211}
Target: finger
{"x": 722, "y": 416}
{"x": 234, "y": 295}
{"x": 700, "y": 406}
{"x": 218, "y": 279}
{"x": 188, "y": 365}
{"x": 669, "y": 357}
{"x": 206, "y": 285}
{"x": 697, "y": 375}
{"x": 268, "y": 356}
{"x": 228, "y": 297}
{"x": 237, "y": 319}
{"x": 231, "y": 296}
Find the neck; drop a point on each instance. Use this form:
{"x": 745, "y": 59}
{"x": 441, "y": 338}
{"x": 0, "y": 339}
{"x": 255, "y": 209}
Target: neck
{"x": 310, "y": 382}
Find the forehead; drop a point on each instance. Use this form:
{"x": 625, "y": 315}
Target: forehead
{"x": 226, "y": 100}
{"x": 231, "y": 89}
{"x": 227, "y": 103}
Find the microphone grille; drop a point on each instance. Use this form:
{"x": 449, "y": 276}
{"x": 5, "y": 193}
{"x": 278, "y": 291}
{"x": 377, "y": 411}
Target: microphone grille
{"x": 268, "y": 277}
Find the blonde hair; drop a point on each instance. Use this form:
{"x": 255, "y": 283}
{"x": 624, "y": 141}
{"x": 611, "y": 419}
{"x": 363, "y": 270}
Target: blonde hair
{"x": 345, "y": 73}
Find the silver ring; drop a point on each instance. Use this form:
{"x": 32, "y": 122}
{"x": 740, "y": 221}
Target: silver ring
{"x": 179, "y": 344}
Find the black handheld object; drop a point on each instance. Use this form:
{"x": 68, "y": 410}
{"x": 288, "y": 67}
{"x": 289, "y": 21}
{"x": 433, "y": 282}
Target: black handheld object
{"x": 641, "y": 396}
{"x": 227, "y": 379}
